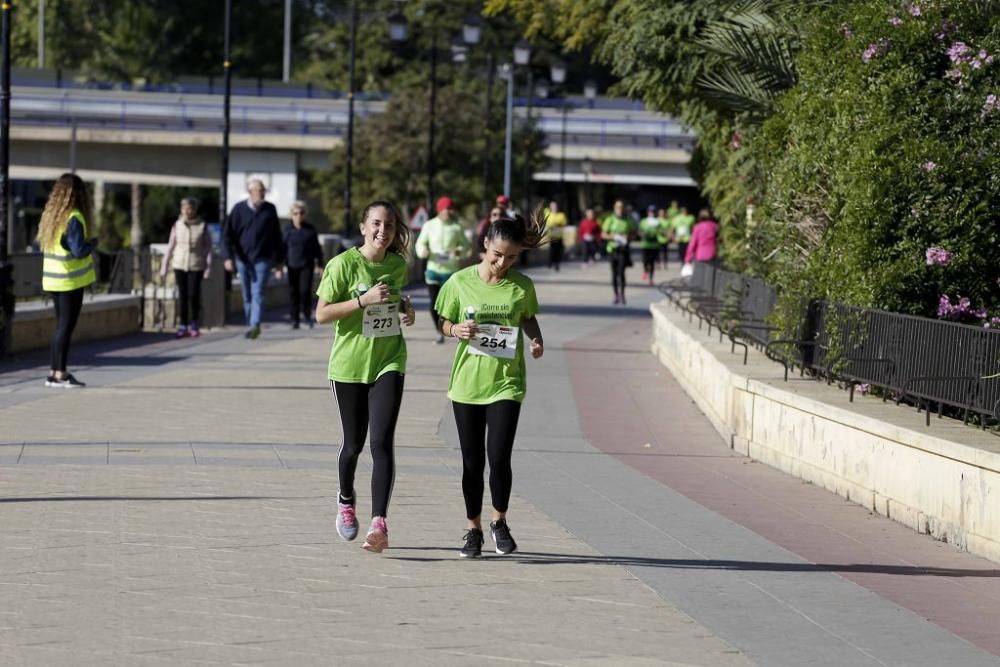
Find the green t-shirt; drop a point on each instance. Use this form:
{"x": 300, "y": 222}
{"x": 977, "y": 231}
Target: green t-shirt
{"x": 444, "y": 244}
{"x": 614, "y": 226}
{"x": 356, "y": 357}
{"x": 649, "y": 233}
{"x": 475, "y": 378}
{"x": 682, "y": 224}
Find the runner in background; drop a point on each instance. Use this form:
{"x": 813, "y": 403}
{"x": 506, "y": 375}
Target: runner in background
{"x": 486, "y": 306}
{"x": 681, "y": 225}
{"x": 649, "y": 242}
{"x": 360, "y": 291}
{"x": 667, "y": 218}
{"x": 443, "y": 244}
{"x": 617, "y": 231}
{"x": 555, "y": 224}
{"x": 589, "y": 232}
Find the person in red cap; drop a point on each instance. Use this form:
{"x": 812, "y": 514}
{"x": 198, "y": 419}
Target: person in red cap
{"x": 442, "y": 242}
{"x": 503, "y": 201}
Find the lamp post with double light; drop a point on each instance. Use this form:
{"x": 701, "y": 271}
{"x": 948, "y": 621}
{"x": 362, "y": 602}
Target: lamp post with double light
{"x": 471, "y": 33}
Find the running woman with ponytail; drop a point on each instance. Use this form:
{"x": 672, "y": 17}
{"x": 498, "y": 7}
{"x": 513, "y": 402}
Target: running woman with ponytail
{"x": 360, "y": 292}
{"x": 486, "y": 306}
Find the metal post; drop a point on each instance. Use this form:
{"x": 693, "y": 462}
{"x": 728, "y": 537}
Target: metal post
{"x": 430, "y": 133}
{"x": 527, "y": 144}
{"x": 228, "y": 87}
{"x": 562, "y": 157}
{"x": 6, "y": 269}
{"x": 509, "y": 132}
{"x": 486, "y": 133}
{"x": 350, "y": 121}
{"x": 41, "y": 33}
{"x": 286, "y": 60}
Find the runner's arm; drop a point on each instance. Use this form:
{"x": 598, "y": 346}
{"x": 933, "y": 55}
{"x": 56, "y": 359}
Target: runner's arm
{"x": 331, "y": 312}
{"x": 534, "y": 333}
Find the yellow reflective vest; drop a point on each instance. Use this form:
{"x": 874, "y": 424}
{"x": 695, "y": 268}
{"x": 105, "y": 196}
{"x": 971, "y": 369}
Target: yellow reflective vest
{"x": 61, "y": 272}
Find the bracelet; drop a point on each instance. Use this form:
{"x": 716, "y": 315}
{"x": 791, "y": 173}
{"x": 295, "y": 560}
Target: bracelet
{"x": 360, "y": 307}
{"x": 451, "y": 330}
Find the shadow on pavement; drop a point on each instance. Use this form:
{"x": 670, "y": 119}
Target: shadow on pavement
{"x": 129, "y": 498}
{"x": 537, "y": 558}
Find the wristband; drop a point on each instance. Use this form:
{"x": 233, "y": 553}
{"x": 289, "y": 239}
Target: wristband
{"x": 360, "y": 307}
{"x": 451, "y": 330}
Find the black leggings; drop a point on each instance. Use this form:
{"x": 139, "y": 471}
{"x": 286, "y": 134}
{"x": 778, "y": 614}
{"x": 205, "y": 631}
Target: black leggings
{"x": 68, "y": 306}
{"x": 188, "y": 295}
{"x": 649, "y": 256}
{"x": 373, "y": 407}
{"x": 555, "y": 254}
{"x": 486, "y": 431}
{"x": 433, "y": 290}
{"x": 619, "y": 262}
{"x": 300, "y": 292}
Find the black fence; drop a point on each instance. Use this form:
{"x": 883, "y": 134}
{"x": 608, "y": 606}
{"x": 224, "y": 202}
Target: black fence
{"x": 936, "y": 365}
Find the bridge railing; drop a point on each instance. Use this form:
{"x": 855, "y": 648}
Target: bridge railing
{"x": 933, "y": 364}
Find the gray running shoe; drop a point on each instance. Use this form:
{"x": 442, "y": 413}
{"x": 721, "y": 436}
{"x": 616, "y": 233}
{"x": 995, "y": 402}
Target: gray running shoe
{"x": 347, "y": 523}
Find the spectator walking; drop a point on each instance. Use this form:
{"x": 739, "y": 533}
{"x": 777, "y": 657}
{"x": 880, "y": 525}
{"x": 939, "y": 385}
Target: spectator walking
{"x": 555, "y": 225}
{"x": 361, "y": 292}
{"x": 486, "y": 306}
{"x": 589, "y": 232}
{"x": 704, "y": 239}
{"x": 189, "y": 254}
{"x": 443, "y": 244}
{"x": 302, "y": 255}
{"x": 251, "y": 237}
{"x": 618, "y": 230}
{"x": 67, "y": 267}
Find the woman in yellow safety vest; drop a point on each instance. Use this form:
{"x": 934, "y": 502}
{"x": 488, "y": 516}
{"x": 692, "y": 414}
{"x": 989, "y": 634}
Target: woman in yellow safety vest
{"x": 67, "y": 268}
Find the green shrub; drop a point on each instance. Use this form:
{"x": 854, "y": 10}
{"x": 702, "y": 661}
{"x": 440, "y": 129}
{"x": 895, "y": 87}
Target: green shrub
{"x": 889, "y": 145}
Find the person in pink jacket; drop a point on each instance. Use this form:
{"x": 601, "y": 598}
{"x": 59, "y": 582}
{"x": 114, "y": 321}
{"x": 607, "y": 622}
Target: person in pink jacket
{"x": 704, "y": 239}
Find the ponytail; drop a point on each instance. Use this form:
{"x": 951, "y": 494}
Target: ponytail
{"x": 527, "y": 233}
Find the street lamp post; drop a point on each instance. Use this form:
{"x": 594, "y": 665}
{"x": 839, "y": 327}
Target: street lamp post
{"x": 227, "y": 92}
{"x": 286, "y": 51}
{"x": 522, "y": 56}
{"x": 349, "y": 170}
{"x": 507, "y": 71}
{"x": 6, "y": 270}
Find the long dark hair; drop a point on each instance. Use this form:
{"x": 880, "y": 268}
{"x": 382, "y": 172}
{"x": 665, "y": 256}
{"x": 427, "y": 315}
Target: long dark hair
{"x": 527, "y": 233}
{"x": 401, "y": 241}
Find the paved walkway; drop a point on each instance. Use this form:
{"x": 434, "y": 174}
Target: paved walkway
{"x": 180, "y": 511}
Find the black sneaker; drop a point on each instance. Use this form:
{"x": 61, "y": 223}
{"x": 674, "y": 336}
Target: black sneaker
{"x": 68, "y": 382}
{"x": 502, "y": 537}
{"x": 252, "y": 333}
{"x": 473, "y": 544}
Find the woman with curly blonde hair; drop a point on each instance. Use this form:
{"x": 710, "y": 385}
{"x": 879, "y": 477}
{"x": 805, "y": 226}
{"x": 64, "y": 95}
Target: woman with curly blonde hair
{"x": 67, "y": 268}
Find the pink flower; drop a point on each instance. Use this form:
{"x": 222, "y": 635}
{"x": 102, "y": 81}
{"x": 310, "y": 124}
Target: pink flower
{"x": 914, "y": 10}
{"x": 938, "y": 256}
{"x": 895, "y": 20}
{"x": 929, "y": 166}
{"x": 990, "y": 105}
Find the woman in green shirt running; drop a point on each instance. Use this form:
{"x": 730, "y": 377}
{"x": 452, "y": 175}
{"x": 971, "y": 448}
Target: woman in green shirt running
{"x": 486, "y": 306}
{"x": 360, "y": 291}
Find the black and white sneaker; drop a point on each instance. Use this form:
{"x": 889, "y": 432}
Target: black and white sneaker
{"x": 68, "y": 382}
{"x": 473, "y": 544}
{"x": 502, "y": 537}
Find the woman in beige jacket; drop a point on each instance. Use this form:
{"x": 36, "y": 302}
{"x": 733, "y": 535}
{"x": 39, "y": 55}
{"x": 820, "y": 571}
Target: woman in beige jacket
{"x": 189, "y": 254}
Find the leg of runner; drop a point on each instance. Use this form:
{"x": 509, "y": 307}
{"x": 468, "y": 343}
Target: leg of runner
{"x": 384, "y": 398}
{"x": 501, "y": 425}
{"x": 433, "y": 289}
{"x": 352, "y": 401}
{"x": 471, "y": 423}
{"x": 613, "y": 263}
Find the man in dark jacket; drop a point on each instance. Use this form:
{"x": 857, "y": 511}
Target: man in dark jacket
{"x": 251, "y": 237}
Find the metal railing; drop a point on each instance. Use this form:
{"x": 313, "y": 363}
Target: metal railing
{"x": 936, "y": 365}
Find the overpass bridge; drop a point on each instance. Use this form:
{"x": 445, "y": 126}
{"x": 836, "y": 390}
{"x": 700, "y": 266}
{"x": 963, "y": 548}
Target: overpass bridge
{"x": 172, "y": 136}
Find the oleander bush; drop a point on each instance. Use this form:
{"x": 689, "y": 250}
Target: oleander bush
{"x": 878, "y": 174}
